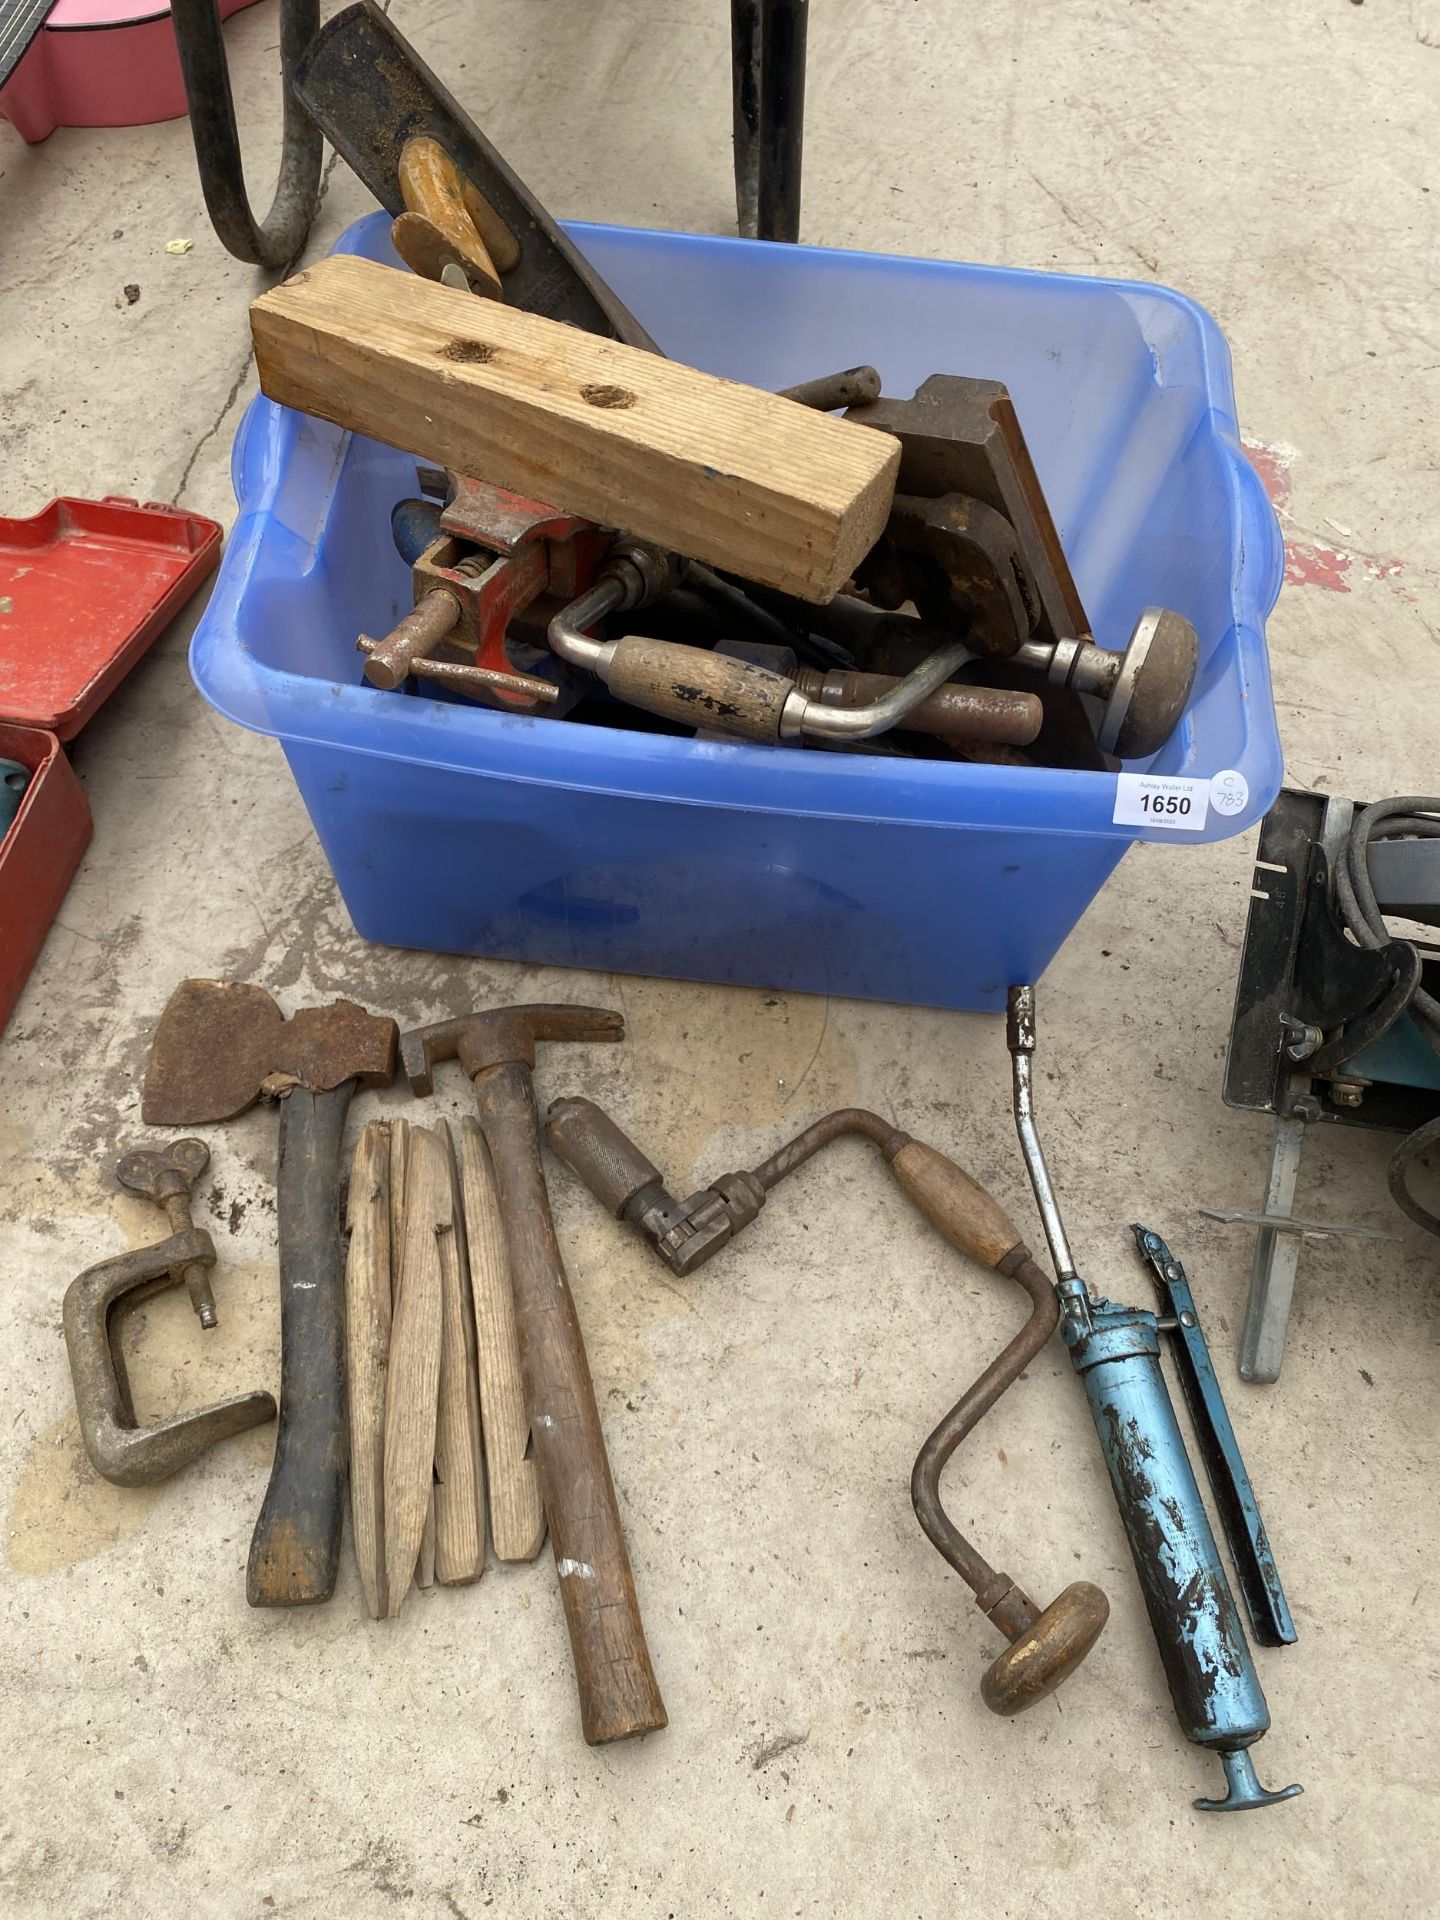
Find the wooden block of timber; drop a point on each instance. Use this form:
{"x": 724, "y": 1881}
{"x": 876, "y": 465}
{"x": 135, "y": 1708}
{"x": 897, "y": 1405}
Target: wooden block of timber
{"x": 517, "y": 1512}
{"x": 367, "y": 1352}
{"x": 716, "y": 471}
{"x": 413, "y": 1380}
{"x": 459, "y": 1464}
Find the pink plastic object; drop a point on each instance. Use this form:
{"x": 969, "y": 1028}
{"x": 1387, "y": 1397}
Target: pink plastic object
{"x": 99, "y": 63}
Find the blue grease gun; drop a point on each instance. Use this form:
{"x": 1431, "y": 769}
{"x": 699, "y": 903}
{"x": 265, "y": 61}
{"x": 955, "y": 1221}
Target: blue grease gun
{"x": 1116, "y": 1352}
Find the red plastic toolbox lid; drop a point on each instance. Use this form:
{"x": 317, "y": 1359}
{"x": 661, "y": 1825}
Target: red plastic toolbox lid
{"x": 85, "y": 587}
{"x": 38, "y": 856}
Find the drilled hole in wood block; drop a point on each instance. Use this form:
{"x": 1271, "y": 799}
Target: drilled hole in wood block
{"x": 607, "y": 396}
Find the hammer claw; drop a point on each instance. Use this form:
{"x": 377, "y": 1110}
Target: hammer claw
{"x": 503, "y": 1037}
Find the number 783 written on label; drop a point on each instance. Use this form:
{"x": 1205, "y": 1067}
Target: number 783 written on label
{"x": 1183, "y": 805}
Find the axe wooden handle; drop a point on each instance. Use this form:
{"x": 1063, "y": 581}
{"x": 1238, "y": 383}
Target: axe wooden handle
{"x": 295, "y": 1549}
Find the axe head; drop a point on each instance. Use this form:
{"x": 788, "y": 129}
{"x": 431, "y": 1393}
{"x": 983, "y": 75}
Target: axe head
{"x": 221, "y": 1045}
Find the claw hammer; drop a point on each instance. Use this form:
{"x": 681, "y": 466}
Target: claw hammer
{"x": 618, "y": 1692}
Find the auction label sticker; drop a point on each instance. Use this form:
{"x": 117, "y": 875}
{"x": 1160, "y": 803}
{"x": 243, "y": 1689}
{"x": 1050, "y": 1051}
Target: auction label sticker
{"x": 1182, "y": 805}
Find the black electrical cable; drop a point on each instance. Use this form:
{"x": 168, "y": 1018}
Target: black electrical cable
{"x": 1409, "y": 817}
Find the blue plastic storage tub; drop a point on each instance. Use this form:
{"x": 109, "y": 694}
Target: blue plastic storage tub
{"x": 465, "y": 831}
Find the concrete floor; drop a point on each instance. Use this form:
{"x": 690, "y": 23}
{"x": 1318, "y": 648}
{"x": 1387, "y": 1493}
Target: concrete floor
{"x": 165, "y": 1750}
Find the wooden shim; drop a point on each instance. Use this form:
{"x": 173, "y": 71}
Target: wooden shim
{"x": 459, "y": 1466}
{"x": 399, "y": 1154}
{"x": 425, "y": 1560}
{"x": 517, "y": 1513}
{"x": 714, "y": 470}
{"x": 367, "y": 1350}
{"x": 399, "y": 1158}
{"x": 412, "y": 1384}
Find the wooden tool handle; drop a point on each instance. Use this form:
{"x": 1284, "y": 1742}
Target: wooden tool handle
{"x": 702, "y": 689}
{"x": 961, "y": 1208}
{"x": 951, "y": 712}
{"x": 438, "y": 224}
{"x": 618, "y": 1693}
{"x": 295, "y": 1549}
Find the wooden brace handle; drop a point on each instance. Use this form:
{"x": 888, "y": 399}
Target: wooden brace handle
{"x": 961, "y": 1208}
{"x": 698, "y": 688}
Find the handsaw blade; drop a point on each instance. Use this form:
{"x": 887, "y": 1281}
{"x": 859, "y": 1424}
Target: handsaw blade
{"x": 221, "y": 1044}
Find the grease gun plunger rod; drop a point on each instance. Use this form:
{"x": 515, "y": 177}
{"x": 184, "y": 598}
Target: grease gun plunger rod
{"x": 1116, "y": 1351}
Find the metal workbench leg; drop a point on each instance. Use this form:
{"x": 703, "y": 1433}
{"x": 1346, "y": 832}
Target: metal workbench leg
{"x": 767, "y": 39}
{"x": 1277, "y": 1254}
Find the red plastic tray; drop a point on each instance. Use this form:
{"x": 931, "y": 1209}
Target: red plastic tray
{"x": 89, "y": 585}
{"x": 39, "y": 855}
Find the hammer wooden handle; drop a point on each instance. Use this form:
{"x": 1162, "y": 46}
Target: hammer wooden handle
{"x": 618, "y": 1692}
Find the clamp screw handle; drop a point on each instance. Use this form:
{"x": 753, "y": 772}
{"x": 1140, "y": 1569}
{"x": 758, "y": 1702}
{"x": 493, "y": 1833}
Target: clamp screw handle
{"x": 166, "y": 1175}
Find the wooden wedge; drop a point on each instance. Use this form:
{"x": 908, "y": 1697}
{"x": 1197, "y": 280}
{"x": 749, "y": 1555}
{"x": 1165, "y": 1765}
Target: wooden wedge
{"x": 517, "y": 1512}
{"x": 459, "y": 1463}
{"x": 425, "y": 1561}
{"x": 413, "y": 1380}
{"x": 367, "y": 1351}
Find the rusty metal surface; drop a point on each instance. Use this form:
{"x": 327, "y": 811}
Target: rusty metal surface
{"x": 960, "y": 561}
{"x": 1046, "y": 1652}
{"x": 498, "y": 517}
{"x": 821, "y": 1133}
{"x": 391, "y": 660}
{"x": 959, "y": 435}
{"x": 487, "y": 588}
{"x": 855, "y": 387}
{"x": 952, "y": 713}
{"x": 972, "y": 1406}
{"x": 501, "y": 1036}
{"x": 221, "y": 1044}
{"x": 497, "y": 553}
{"x": 685, "y": 1234}
{"x": 166, "y": 1175}
{"x": 119, "y": 1448}
{"x": 479, "y": 681}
